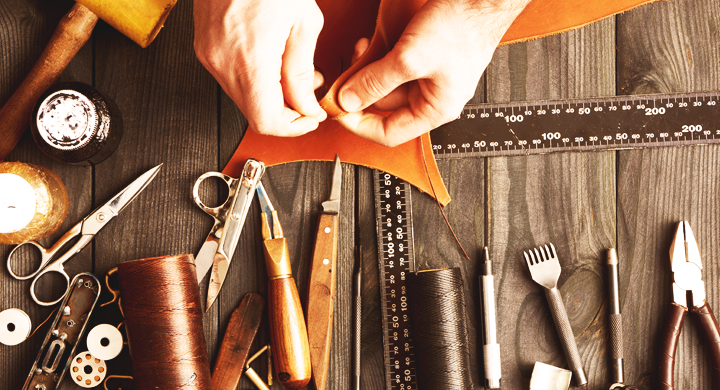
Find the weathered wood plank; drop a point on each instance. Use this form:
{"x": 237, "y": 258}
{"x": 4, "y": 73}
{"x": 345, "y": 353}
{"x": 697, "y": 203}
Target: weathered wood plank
{"x": 169, "y": 107}
{"x": 666, "y": 47}
{"x": 566, "y": 199}
{"x": 435, "y": 246}
{"x": 25, "y": 28}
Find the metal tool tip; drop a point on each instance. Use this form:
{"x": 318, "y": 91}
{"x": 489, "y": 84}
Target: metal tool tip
{"x": 612, "y": 256}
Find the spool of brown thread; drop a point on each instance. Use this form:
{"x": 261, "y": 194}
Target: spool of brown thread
{"x": 164, "y": 322}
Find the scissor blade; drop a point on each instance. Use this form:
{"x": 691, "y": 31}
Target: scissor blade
{"x": 129, "y": 193}
{"x": 97, "y": 220}
{"x": 332, "y": 205}
{"x": 205, "y": 257}
{"x": 217, "y": 277}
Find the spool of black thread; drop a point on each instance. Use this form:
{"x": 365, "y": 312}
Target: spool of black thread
{"x": 74, "y": 123}
{"x": 437, "y": 310}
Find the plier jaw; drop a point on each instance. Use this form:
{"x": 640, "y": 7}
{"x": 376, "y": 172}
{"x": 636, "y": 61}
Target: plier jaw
{"x": 686, "y": 267}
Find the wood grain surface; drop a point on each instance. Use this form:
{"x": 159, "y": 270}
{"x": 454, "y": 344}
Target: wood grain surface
{"x": 176, "y": 114}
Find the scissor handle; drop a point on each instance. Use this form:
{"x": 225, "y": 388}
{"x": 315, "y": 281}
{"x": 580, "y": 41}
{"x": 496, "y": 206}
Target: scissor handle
{"x": 56, "y": 267}
{"x": 48, "y": 254}
{"x": 213, "y": 211}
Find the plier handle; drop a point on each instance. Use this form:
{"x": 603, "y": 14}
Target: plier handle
{"x": 687, "y": 281}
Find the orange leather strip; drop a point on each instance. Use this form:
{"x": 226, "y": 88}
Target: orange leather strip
{"x": 546, "y": 17}
{"x": 346, "y": 21}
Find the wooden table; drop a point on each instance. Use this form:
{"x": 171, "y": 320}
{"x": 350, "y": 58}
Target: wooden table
{"x": 176, "y": 114}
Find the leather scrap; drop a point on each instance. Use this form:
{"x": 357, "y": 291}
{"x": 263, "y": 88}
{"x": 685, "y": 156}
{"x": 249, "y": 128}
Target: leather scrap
{"x": 346, "y": 21}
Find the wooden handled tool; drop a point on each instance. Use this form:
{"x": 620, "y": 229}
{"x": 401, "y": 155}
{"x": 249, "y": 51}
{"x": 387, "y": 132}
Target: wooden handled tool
{"x": 140, "y": 20}
{"x": 321, "y": 286}
{"x": 238, "y": 339}
{"x": 288, "y": 334}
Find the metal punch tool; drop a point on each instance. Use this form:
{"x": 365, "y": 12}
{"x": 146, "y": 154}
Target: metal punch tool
{"x": 217, "y": 251}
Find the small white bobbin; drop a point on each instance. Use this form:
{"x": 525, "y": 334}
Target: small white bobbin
{"x": 87, "y": 371}
{"x": 105, "y": 342}
{"x": 15, "y": 326}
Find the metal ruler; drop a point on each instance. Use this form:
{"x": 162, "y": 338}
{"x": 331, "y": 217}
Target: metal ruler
{"x": 618, "y": 122}
{"x": 393, "y": 219}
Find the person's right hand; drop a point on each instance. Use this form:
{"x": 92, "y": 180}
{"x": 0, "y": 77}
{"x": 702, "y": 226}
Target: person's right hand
{"x": 261, "y": 52}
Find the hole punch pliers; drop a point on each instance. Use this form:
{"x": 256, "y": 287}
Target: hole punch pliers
{"x": 687, "y": 281}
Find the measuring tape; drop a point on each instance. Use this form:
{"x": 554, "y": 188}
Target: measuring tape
{"x": 620, "y": 122}
{"x": 393, "y": 218}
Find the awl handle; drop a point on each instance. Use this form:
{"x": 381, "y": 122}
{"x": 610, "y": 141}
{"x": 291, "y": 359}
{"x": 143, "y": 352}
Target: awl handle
{"x": 288, "y": 334}
{"x": 70, "y": 35}
{"x": 321, "y": 296}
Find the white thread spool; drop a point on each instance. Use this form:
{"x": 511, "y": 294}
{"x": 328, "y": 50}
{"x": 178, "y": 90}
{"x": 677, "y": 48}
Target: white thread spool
{"x": 87, "y": 371}
{"x": 15, "y": 326}
{"x": 105, "y": 342}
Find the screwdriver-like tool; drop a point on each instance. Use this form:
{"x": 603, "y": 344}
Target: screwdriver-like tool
{"x": 288, "y": 333}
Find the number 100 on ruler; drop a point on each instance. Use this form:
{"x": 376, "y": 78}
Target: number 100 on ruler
{"x": 619, "y": 122}
{"x": 393, "y": 212}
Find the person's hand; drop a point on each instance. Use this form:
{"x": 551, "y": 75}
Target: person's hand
{"x": 430, "y": 73}
{"x": 261, "y": 53}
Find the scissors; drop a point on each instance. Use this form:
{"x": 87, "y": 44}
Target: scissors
{"x": 219, "y": 246}
{"x": 85, "y": 230}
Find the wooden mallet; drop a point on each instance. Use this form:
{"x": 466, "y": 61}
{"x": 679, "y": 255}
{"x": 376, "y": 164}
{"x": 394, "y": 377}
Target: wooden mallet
{"x": 139, "y": 20}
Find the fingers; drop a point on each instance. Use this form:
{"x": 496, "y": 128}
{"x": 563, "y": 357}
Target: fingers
{"x": 375, "y": 81}
{"x": 298, "y": 72}
{"x": 361, "y": 47}
{"x": 318, "y": 80}
{"x": 423, "y": 113}
{"x": 398, "y": 128}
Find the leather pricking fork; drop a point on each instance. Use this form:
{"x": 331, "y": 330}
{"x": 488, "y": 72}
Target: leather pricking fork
{"x": 545, "y": 270}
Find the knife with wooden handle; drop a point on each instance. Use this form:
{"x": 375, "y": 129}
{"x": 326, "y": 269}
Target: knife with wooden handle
{"x": 321, "y": 285}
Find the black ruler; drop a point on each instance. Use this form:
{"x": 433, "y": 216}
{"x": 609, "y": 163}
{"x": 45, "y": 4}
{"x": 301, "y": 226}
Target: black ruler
{"x": 618, "y": 122}
{"x": 393, "y": 219}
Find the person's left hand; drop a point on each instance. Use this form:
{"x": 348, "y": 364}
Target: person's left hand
{"x": 430, "y": 73}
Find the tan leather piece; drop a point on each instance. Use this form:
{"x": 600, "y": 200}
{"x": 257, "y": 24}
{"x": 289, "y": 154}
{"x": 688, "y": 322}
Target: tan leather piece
{"x": 404, "y": 161}
{"x": 346, "y": 21}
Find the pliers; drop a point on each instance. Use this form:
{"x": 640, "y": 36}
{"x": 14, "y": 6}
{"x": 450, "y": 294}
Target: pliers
{"x": 687, "y": 281}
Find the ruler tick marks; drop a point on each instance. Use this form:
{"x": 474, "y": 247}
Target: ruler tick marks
{"x": 575, "y": 125}
{"x": 393, "y": 212}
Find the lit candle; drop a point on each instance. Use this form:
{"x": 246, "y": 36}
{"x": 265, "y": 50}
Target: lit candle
{"x": 33, "y": 202}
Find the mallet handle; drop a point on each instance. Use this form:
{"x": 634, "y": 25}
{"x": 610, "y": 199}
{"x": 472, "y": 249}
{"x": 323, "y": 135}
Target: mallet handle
{"x": 70, "y": 35}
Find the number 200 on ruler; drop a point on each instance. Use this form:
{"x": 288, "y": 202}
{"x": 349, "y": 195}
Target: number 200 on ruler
{"x": 618, "y": 122}
{"x": 393, "y": 212}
